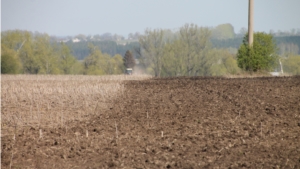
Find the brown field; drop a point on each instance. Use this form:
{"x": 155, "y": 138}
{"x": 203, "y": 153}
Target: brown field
{"x": 137, "y": 122}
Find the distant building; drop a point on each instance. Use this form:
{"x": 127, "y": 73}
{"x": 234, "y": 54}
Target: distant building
{"x": 63, "y": 40}
{"x": 75, "y": 40}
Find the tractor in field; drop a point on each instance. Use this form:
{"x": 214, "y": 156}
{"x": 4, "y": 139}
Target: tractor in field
{"x": 128, "y": 71}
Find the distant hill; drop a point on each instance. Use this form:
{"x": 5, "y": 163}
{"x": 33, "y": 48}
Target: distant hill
{"x": 80, "y": 49}
{"x": 112, "y": 47}
{"x": 236, "y": 42}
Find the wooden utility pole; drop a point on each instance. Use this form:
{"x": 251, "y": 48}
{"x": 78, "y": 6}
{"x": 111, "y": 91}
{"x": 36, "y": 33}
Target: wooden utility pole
{"x": 250, "y": 23}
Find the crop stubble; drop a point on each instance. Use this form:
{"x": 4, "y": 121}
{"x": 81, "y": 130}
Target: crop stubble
{"x": 156, "y": 123}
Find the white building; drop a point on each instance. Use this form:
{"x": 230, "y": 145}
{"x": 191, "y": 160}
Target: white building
{"x": 75, "y": 40}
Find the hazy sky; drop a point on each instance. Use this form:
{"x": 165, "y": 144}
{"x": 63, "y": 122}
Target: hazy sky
{"x": 72, "y": 17}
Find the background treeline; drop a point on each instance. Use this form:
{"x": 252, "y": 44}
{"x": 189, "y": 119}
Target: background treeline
{"x": 193, "y": 51}
{"x": 80, "y": 49}
{"x": 186, "y": 52}
{"x": 189, "y": 50}
{"x": 35, "y": 53}
{"x": 286, "y": 44}
{"x": 222, "y": 36}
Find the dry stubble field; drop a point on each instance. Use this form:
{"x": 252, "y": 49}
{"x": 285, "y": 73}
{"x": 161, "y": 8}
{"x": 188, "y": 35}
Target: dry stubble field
{"x": 137, "y": 122}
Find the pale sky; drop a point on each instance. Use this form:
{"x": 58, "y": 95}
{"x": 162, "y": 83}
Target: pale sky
{"x": 90, "y": 17}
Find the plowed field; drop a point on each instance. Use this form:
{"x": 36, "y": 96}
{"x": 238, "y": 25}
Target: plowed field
{"x": 173, "y": 123}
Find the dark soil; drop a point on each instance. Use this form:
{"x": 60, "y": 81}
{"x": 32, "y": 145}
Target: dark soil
{"x": 174, "y": 123}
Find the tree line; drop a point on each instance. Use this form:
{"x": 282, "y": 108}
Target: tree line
{"x": 189, "y": 51}
{"x": 23, "y": 52}
{"x": 80, "y": 49}
{"x": 286, "y": 44}
{"x": 222, "y": 36}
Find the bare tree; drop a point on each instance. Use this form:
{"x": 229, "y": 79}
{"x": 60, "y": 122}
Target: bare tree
{"x": 152, "y": 47}
{"x": 195, "y": 41}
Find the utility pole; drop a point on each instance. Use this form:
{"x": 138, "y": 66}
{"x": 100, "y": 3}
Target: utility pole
{"x": 250, "y": 23}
